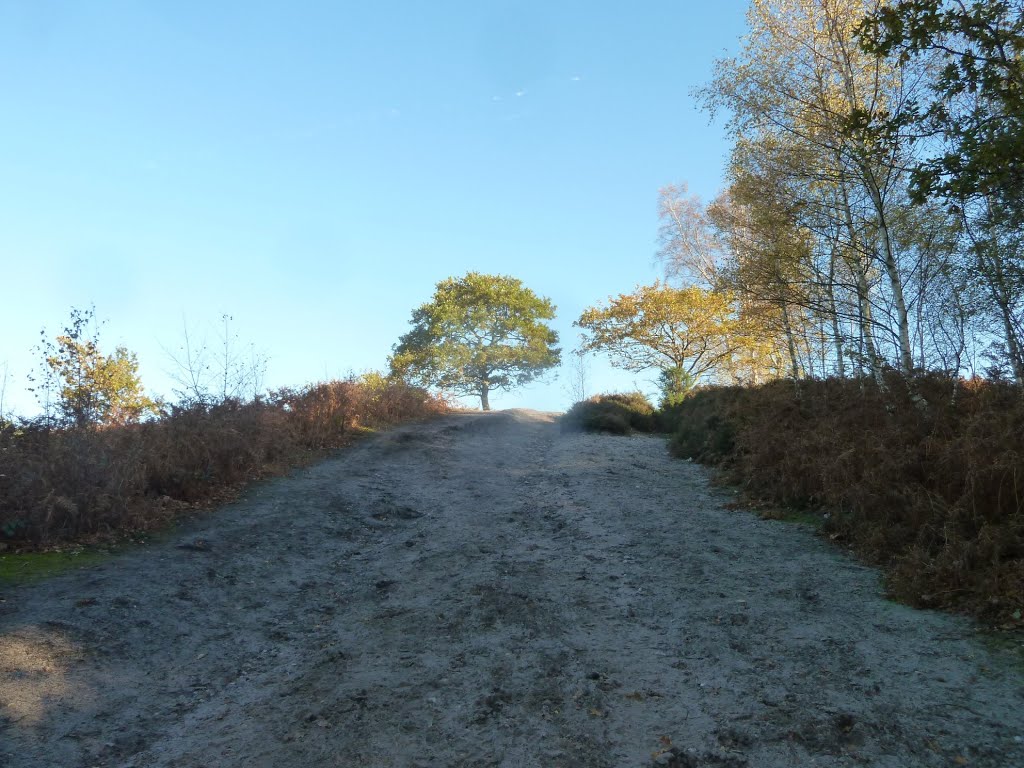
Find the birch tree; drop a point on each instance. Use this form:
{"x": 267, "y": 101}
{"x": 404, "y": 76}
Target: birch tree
{"x": 802, "y": 80}
{"x": 973, "y": 114}
{"x": 689, "y": 249}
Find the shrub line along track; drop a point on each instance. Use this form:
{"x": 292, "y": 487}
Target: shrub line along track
{"x": 484, "y": 590}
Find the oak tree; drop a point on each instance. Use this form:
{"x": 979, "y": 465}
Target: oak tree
{"x": 688, "y": 331}
{"x": 479, "y": 333}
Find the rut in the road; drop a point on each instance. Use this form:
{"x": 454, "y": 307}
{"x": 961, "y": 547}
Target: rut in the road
{"x": 485, "y": 590}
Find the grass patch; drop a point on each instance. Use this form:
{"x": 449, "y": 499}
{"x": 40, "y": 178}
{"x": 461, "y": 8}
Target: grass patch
{"x": 26, "y": 567}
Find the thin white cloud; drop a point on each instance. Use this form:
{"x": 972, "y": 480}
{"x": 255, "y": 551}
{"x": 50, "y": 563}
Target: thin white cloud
{"x": 521, "y": 93}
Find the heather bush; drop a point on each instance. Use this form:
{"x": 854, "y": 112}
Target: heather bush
{"x": 697, "y": 424}
{"x": 933, "y": 494}
{"x": 618, "y": 414}
{"x": 61, "y": 484}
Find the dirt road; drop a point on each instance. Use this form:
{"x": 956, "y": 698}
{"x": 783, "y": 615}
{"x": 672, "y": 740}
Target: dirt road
{"x": 485, "y": 591}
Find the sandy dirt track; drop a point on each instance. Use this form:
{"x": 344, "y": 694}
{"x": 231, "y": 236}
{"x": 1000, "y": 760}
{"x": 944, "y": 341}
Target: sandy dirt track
{"x": 484, "y": 590}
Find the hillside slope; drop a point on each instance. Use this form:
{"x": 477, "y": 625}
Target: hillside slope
{"x": 485, "y": 590}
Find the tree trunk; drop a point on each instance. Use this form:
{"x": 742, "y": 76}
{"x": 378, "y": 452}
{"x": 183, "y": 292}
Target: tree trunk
{"x": 794, "y": 362}
{"x": 895, "y": 279}
{"x": 867, "y": 332}
{"x": 863, "y": 295}
{"x": 837, "y": 334}
{"x": 1003, "y": 299}
{"x": 1013, "y": 346}
{"x": 484, "y": 402}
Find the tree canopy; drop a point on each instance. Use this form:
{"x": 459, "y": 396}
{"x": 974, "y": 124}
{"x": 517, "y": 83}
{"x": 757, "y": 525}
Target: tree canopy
{"x": 81, "y": 387}
{"x": 977, "y": 100}
{"x": 478, "y": 334}
{"x": 685, "y": 330}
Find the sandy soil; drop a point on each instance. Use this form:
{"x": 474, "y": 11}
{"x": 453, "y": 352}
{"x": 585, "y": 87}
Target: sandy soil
{"x": 486, "y": 591}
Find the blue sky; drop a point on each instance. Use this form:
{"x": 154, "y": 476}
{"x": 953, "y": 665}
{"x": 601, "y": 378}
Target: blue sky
{"x": 314, "y": 168}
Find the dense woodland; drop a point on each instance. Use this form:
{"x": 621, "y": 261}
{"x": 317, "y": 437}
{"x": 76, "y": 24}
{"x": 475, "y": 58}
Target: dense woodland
{"x": 872, "y": 218}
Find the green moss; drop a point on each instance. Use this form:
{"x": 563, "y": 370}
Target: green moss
{"x": 798, "y": 516}
{"x": 1008, "y": 645}
{"x": 33, "y": 566}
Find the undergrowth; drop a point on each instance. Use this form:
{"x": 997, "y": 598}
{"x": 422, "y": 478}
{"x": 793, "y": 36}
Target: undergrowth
{"x": 60, "y": 485}
{"x": 617, "y": 414}
{"x": 933, "y": 494}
